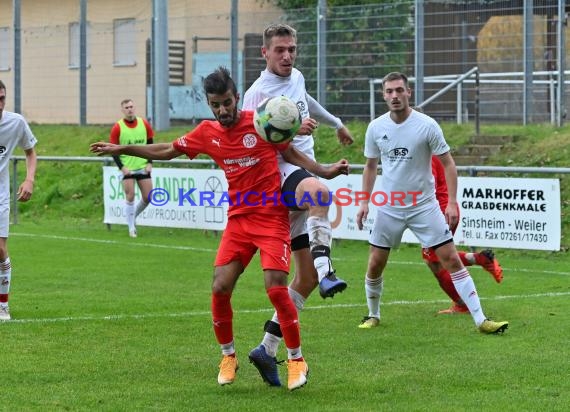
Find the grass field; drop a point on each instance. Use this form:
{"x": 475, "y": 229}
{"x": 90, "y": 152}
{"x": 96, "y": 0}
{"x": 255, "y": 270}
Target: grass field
{"x": 105, "y": 322}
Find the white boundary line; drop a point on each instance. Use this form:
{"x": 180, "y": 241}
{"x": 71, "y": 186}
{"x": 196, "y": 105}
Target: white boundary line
{"x": 269, "y": 310}
{"x": 115, "y": 242}
{"x": 198, "y": 249}
{"x": 207, "y": 313}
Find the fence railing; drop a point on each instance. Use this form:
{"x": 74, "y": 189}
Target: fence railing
{"x": 547, "y": 80}
{"x": 469, "y": 170}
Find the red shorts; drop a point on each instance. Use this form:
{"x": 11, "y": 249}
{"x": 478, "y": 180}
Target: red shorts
{"x": 246, "y": 233}
{"x": 428, "y": 254}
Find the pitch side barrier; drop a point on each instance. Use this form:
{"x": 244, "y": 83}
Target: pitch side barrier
{"x": 506, "y": 212}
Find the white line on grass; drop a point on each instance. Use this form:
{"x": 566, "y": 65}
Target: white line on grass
{"x": 198, "y": 249}
{"x": 116, "y": 242}
{"x": 317, "y": 307}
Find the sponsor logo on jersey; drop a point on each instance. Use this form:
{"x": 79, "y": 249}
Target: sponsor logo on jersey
{"x": 249, "y": 140}
{"x": 399, "y": 154}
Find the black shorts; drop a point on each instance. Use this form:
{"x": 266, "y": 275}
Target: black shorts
{"x": 137, "y": 176}
{"x": 290, "y": 186}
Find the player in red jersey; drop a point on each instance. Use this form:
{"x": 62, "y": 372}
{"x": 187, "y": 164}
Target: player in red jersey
{"x": 257, "y": 220}
{"x": 485, "y": 258}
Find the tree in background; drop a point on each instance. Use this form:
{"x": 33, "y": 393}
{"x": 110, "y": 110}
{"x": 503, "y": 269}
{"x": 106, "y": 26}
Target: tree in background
{"x": 363, "y": 42}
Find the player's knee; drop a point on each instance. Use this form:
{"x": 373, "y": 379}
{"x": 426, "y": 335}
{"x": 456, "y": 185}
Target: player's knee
{"x": 375, "y": 267}
{"x": 222, "y": 284}
{"x": 450, "y": 261}
{"x": 220, "y": 287}
{"x": 319, "y": 194}
{"x": 376, "y": 264}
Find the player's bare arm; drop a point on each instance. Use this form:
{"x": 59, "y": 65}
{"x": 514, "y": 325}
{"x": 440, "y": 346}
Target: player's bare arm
{"x": 27, "y": 187}
{"x": 297, "y": 158}
{"x": 448, "y": 163}
{"x": 368, "y": 180}
{"x": 158, "y": 151}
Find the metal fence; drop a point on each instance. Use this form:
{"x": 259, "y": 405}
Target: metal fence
{"x": 197, "y": 163}
{"x": 45, "y": 45}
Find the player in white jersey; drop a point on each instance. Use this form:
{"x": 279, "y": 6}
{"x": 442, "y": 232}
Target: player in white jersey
{"x": 311, "y": 232}
{"x": 404, "y": 140}
{"x": 14, "y": 132}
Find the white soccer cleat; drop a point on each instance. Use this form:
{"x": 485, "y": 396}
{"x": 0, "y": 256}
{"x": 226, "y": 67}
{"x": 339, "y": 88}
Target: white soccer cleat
{"x": 133, "y": 233}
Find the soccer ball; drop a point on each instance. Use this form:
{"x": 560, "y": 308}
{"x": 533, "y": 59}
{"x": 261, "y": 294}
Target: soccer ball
{"x": 277, "y": 119}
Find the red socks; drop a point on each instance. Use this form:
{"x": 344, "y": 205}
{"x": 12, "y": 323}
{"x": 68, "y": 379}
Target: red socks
{"x": 287, "y": 315}
{"x": 462, "y": 256}
{"x": 222, "y": 316}
{"x": 444, "y": 279}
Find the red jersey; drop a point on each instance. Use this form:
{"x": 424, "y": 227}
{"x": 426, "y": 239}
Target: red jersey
{"x": 440, "y": 184}
{"x": 248, "y": 161}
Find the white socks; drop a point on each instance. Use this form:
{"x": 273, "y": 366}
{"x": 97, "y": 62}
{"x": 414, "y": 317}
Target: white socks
{"x": 141, "y": 206}
{"x": 5, "y": 276}
{"x": 228, "y": 348}
{"x": 130, "y": 215}
{"x": 320, "y": 240}
{"x": 465, "y": 287}
{"x": 373, "y": 289}
{"x": 323, "y": 265}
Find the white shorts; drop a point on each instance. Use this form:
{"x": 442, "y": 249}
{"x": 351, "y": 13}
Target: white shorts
{"x": 426, "y": 221}
{"x": 4, "y": 220}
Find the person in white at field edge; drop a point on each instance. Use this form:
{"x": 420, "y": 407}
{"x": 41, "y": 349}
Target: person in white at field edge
{"x": 310, "y": 228}
{"x": 14, "y": 132}
{"x": 404, "y": 140}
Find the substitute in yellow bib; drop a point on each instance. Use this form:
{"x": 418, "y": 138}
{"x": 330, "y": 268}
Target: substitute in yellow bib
{"x": 132, "y": 129}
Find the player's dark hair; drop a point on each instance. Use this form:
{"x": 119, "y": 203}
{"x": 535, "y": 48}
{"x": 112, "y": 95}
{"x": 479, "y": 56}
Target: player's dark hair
{"x": 278, "y": 30}
{"x": 395, "y": 76}
{"x": 219, "y": 82}
{"x": 2, "y": 85}
{"x": 126, "y": 101}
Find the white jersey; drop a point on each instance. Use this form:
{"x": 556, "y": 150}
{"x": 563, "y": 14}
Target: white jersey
{"x": 271, "y": 85}
{"x": 14, "y": 131}
{"x": 405, "y": 151}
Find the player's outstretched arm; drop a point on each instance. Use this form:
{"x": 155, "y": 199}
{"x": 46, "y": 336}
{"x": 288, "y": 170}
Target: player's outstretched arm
{"x": 341, "y": 167}
{"x": 297, "y": 158}
{"x": 324, "y": 116}
{"x": 158, "y": 151}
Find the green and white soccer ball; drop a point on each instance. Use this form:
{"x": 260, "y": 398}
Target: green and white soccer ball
{"x": 277, "y": 119}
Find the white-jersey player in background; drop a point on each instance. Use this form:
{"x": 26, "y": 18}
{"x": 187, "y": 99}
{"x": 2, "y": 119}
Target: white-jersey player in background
{"x": 14, "y": 132}
{"x": 404, "y": 140}
{"x": 311, "y": 232}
